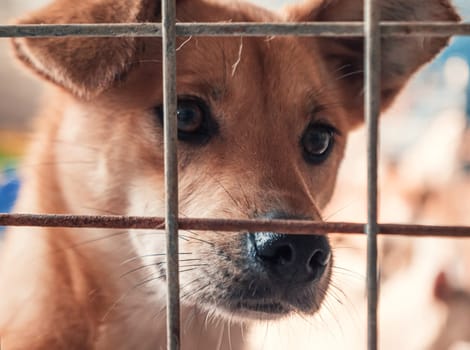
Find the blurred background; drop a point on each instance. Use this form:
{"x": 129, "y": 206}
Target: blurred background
{"x": 424, "y": 179}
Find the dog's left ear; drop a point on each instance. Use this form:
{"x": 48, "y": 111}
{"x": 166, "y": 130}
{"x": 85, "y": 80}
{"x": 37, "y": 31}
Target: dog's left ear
{"x": 401, "y": 56}
{"x": 85, "y": 66}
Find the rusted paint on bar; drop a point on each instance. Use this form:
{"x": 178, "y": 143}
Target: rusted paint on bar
{"x": 171, "y": 173}
{"x": 328, "y": 29}
{"x": 227, "y": 225}
{"x": 372, "y": 97}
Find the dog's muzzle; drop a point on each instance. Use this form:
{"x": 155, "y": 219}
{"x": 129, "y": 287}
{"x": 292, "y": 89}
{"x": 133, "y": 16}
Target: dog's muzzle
{"x": 287, "y": 272}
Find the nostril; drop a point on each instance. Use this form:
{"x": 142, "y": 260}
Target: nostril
{"x": 285, "y": 255}
{"x": 319, "y": 258}
{"x": 280, "y": 254}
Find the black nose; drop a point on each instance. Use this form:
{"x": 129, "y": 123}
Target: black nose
{"x": 291, "y": 258}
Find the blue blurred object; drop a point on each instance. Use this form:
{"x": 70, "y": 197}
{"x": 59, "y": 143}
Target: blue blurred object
{"x": 459, "y": 47}
{"x": 9, "y": 187}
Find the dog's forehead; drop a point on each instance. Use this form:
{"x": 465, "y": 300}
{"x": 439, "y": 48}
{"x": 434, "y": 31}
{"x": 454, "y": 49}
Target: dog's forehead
{"x": 270, "y": 72}
{"x": 269, "y": 62}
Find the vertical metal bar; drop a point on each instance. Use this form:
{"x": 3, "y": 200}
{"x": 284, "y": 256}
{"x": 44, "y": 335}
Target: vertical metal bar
{"x": 372, "y": 109}
{"x": 171, "y": 172}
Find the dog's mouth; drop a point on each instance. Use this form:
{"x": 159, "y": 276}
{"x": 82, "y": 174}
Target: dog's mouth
{"x": 270, "y": 303}
{"x": 264, "y": 307}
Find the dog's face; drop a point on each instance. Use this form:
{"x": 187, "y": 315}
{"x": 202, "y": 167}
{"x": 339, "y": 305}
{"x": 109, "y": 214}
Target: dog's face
{"x": 262, "y": 125}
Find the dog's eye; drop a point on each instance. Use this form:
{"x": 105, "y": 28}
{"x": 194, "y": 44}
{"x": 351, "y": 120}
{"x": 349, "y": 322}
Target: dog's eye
{"x": 317, "y": 142}
{"x": 195, "y": 124}
{"x": 190, "y": 116}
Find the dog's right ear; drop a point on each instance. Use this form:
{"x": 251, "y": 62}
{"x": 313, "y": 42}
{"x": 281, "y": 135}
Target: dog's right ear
{"x": 84, "y": 66}
{"x": 401, "y": 56}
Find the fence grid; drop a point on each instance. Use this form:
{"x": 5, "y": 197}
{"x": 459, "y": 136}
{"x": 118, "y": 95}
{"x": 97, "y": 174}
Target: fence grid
{"x": 371, "y": 29}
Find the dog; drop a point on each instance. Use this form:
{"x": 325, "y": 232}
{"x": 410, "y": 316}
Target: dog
{"x": 262, "y": 126}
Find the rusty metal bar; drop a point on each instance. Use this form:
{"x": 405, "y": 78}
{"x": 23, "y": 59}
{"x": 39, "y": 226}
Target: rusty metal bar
{"x": 436, "y": 29}
{"x": 228, "y": 225}
{"x": 372, "y": 69}
{"x": 328, "y": 29}
{"x": 171, "y": 173}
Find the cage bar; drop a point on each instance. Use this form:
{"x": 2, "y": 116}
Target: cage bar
{"x": 327, "y": 29}
{"x": 171, "y": 173}
{"x": 228, "y": 225}
{"x": 372, "y": 57}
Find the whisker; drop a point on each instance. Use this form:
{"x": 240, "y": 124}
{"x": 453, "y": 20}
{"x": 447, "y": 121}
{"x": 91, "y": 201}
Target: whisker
{"x": 185, "y": 296}
{"x": 149, "y": 256}
{"x": 134, "y": 287}
{"x": 159, "y": 263}
{"x": 94, "y": 240}
{"x": 193, "y": 292}
{"x": 101, "y": 210}
{"x": 348, "y": 272}
{"x": 197, "y": 239}
{"x": 184, "y": 238}
{"x": 336, "y": 212}
{"x": 232, "y": 198}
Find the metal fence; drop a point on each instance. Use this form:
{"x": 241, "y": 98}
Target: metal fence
{"x": 372, "y": 29}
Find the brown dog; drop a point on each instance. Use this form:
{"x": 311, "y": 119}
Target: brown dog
{"x": 262, "y": 128}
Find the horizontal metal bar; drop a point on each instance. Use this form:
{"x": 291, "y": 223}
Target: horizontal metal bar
{"x": 271, "y": 29}
{"x": 227, "y": 225}
{"x": 82, "y": 30}
{"x": 325, "y": 29}
{"x": 435, "y": 29}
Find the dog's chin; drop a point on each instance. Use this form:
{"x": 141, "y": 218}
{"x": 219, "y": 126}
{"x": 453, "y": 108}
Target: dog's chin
{"x": 244, "y": 301}
{"x": 262, "y": 310}
{"x": 246, "y": 311}
{"x": 257, "y": 309}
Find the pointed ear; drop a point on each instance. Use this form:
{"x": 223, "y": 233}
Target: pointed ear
{"x": 401, "y": 57}
{"x": 84, "y": 66}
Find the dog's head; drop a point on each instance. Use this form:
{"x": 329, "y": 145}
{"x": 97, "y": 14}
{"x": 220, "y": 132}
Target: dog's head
{"x": 262, "y": 128}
